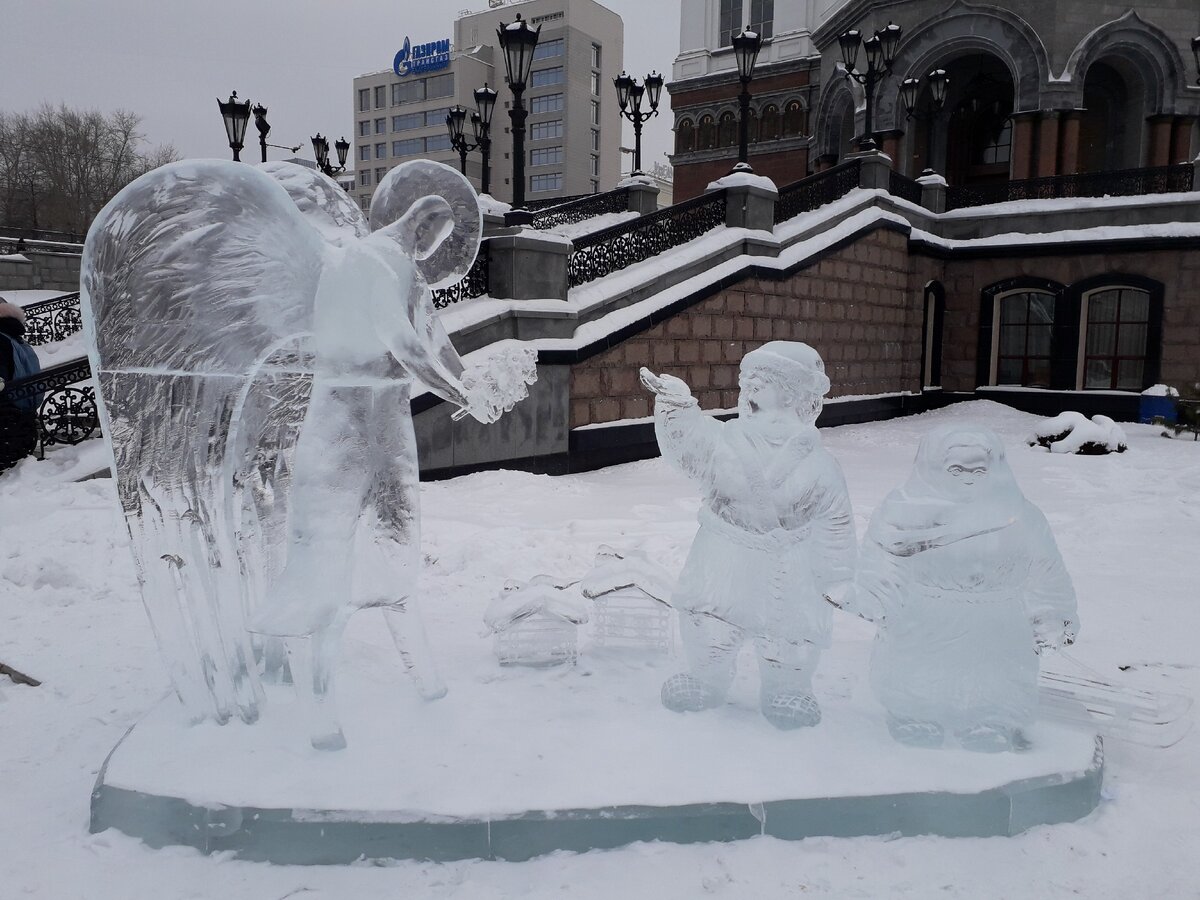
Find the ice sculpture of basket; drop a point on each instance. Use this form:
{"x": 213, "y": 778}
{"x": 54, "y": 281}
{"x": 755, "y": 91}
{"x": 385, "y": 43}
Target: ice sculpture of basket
{"x": 538, "y": 640}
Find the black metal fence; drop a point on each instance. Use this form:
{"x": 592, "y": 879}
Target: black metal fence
{"x": 66, "y": 413}
{"x": 1121, "y": 183}
{"x": 612, "y": 249}
{"x": 816, "y": 190}
{"x": 547, "y": 202}
{"x": 473, "y": 284}
{"x": 52, "y": 320}
{"x": 586, "y": 207}
{"x": 904, "y": 187}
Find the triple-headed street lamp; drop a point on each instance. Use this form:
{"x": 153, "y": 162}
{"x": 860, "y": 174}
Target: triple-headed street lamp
{"x": 481, "y": 131}
{"x": 910, "y": 89}
{"x": 745, "y": 48}
{"x": 321, "y": 151}
{"x": 881, "y": 50}
{"x": 518, "y": 41}
{"x": 629, "y": 99}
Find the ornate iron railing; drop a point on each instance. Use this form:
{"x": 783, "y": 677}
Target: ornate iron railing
{"x": 547, "y": 202}
{"x": 67, "y": 413}
{"x": 20, "y": 245}
{"x": 904, "y": 187}
{"x": 816, "y": 190}
{"x": 52, "y": 320}
{"x": 612, "y": 249}
{"x": 586, "y": 207}
{"x": 1121, "y": 183}
{"x": 41, "y": 234}
{"x": 473, "y": 284}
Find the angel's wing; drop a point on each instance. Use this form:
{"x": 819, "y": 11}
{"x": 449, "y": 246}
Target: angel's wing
{"x": 321, "y": 200}
{"x": 192, "y": 277}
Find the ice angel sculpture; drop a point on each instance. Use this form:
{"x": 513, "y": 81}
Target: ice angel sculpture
{"x": 963, "y": 576}
{"x": 255, "y": 344}
{"x": 776, "y": 537}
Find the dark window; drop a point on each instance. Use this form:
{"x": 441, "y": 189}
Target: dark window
{"x": 552, "y": 182}
{"x": 548, "y": 49}
{"x": 380, "y": 97}
{"x": 795, "y": 119}
{"x": 408, "y": 91}
{"x": 439, "y": 86}
{"x": 1026, "y": 333}
{"x": 540, "y": 131}
{"x": 762, "y": 17}
{"x": 1118, "y": 325}
{"x": 685, "y": 136}
{"x": 727, "y": 130}
{"x": 364, "y": 99}
{"x": 730, "y": 22}
{"x": 437, "y": 142}
{"x": 546, "y": 103}
{"x": 364, "y": 128}
{"x": 546, "y": 156}
{"x": 706, "y": 133}
{"x": 543, "y": 77}
{"x": 407, "y": 121}
{"x": 999, "y": 148}
{"x": 768, "y": 126}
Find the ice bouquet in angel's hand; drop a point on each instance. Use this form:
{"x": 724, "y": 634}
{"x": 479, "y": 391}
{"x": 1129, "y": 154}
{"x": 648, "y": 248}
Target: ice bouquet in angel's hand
{"x": 498, "y": 383}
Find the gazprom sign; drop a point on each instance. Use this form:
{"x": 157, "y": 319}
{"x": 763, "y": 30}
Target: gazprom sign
{"x": 412, "y": 60}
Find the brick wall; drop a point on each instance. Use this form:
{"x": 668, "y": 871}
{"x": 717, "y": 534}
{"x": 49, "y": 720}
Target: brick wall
{"x": 855, "y": 307}
{"x": 691, "y": 178}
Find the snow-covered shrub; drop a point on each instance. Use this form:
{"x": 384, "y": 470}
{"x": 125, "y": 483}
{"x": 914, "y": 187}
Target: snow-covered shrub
{"x": 1073, "y": 432}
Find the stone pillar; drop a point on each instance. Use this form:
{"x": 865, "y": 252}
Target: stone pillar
{"x": 891, "y": 144}
{"x": 528, "y": 265}
{"x": 933, "y": 192}
{"x": 876, "y": 171}
{"x": 750, "y": 206}
{"x": 1022, "y": 145}
{"x": 1047, "y": 149}
{"x": 1181, "y": 139}
{"x": 493, "y": 224}
{"x": 1160, "y": 140}
{"x": 643, "y": 198}
{"x": 1068, "y": 152}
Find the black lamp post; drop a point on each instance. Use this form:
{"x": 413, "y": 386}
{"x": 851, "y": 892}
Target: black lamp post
{"x": 629, "y": 99}
{"x": 264, "y": 129}
{"x": 321, "y": 151}
{"x": 481, "y": 131}
{"x": 881, "y": 50}
{"x": 745, "y": 48}
{"x": 910, "y": 88}
{"x": 1196, "y": 54}
{"x": 517, "y": 41}
{"x": 236, "y": 114}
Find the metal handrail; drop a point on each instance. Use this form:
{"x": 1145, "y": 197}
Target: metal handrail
{"x": 1117, "y": 183}
{"x": 586, "y": 207}
{"x": 816, "y": 190}
{"x": 900, "y": 185}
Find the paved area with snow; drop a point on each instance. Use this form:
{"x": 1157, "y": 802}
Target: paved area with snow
{"x": 1128, "y": 526}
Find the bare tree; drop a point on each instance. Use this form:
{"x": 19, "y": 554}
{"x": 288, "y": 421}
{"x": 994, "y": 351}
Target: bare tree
{"x": 59, "y": 166}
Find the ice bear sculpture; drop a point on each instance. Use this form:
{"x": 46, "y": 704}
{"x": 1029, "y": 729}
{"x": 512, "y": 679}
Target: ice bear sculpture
{"x": 776, "y": 537}
{"x": 964, "y": 578}
{"x": 255, "y": 344}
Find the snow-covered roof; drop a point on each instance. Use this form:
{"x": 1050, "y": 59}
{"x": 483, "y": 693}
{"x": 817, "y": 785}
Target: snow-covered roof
{"x": 616, "y": 570}
{"x": 541, "y": 594}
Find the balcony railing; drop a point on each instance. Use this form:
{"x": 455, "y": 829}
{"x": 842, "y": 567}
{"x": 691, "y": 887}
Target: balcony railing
{"x": 612, "y": 249}
{"x": 816, "y": 190}
{"x": 473, "y": 284}
{"x": 904, "y": 187}
{"x": 67, "y": 412}
{"x": 586, "y": 207}
{"x": 1120, "y": 183}
{"x": 52, "y": 320}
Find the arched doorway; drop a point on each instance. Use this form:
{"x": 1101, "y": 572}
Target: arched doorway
{"x": 1111, "y": 125}
{"x": 976, "y": 138}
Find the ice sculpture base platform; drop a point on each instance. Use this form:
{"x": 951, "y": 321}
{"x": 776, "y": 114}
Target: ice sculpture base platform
{"x": 463, "y": 785}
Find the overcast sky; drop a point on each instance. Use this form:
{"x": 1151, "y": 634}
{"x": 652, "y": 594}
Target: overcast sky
{"x": 169, "y": 60}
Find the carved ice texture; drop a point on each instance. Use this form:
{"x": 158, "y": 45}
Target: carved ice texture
{"x": 631, "y": 596}
{"x": 535, "y": 623}
{"x": 255, "y": 344}
{"x": 964, "y": 578}
{"x": 776, "y": 535}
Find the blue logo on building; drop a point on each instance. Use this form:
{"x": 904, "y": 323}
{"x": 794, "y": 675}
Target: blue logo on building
{"x": 429, "y": 57}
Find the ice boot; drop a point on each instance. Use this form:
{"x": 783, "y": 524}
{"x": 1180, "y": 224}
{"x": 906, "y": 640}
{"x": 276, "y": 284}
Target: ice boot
{"x": 687, "y": 693}
{"x": 787, "y": 711}
{"x": 916, "y": 733}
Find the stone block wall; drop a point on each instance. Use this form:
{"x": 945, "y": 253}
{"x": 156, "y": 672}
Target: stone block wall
{"x": 855, "y": 306}
{"x": 40, "y": 271}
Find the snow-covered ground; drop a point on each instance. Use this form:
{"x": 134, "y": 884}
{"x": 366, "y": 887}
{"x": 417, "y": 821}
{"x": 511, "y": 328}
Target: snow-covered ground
{"x": 1128, "y": 527}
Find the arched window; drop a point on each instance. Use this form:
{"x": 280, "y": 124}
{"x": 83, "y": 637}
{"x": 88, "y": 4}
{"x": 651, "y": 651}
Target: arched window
{"x": 769, "y": 125}
{"x": 795, "y": 119}
{"x": 685, "y": 136}
{"x": 1116, "y": 323}
{"x": 706, "y": 133}
{"x": 752, "y": 126}
{"x": 1025, "y": 325}
{"x": 727, "y": 130}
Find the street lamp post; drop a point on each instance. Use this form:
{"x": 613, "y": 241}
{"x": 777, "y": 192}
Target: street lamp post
{"x": 236, "y": 114}
{"x": 481, "y": 131}
{"x": 910, "y": 88}
{"x": 629, "y": 99}
{"x": 321, "y": 151}
{"x": 264, "y": 129}
{"x": 517, "y": 42}
{"x": 1196, "y": 54}
{"x": 745, "y": 48}
{"x": 881, "y": 50}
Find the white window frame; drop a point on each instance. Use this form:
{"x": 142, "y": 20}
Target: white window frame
{"x": 997, "y": 302}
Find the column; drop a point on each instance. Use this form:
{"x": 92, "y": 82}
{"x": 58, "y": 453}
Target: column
{"x": 1047, "y": 148}
{"x": 1068, "y": 151}
{"x": 1160, "y": 140}
{"x": 891, "y": 146}
{"x": 1022, "y": 145}
{"x": 1181, "y": 139}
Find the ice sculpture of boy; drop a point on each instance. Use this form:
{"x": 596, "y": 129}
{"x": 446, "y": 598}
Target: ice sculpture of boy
{"x": 963, "y": 576}
{"x": 776, "y": 536}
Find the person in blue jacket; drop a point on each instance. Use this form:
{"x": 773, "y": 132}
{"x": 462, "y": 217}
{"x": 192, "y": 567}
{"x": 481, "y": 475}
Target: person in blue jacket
{"x": 18, "y": 418}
